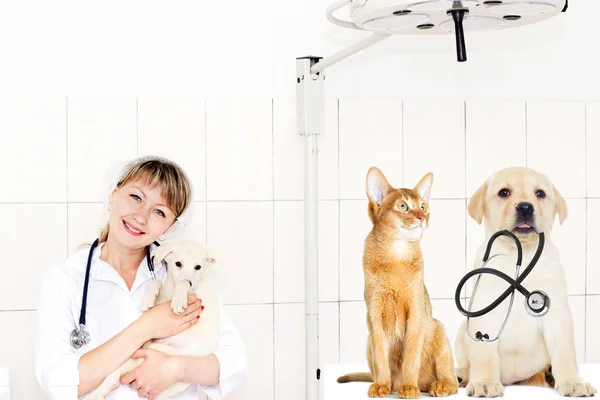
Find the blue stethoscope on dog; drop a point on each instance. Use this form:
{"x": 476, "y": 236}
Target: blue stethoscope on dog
{"x": 537, "y": 303}
{"x": 79, "y": 336}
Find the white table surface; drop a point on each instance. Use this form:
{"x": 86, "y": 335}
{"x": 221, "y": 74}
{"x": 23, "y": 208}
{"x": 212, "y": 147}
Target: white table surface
{"x": 358, "y": 390}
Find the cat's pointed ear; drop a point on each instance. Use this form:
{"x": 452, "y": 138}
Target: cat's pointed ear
{"x": 476, "y": 205}
{"x": 423, "y": 188}
{"x": 377, "y": 186}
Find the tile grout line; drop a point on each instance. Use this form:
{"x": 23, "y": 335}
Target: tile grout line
{"x": 137, "y": 127}
{"x": 205, "y": 172}
{"x": 339, "y": 304}
{"x": 526, "y": 137}
{"x": 249, "y": 201}
{"x": 402, "y": 137}
{"x": 205, "y": 178}
{"x": 67, "y": 164}
{"x": 586, "y": 234}
{"x": 273, "y": 227}
{"x": 361, "y": 301}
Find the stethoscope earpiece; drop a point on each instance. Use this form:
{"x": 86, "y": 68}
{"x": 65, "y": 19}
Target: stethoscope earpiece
{"x": 537, "y": 303}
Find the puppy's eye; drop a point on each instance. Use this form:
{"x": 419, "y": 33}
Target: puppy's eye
{"x": 504, "y": 193}
{"x": 178, "y": 263}
{"x": 197, "y": 267}
{"x": 403, "y": 207}
{"x": 541, "y": 194}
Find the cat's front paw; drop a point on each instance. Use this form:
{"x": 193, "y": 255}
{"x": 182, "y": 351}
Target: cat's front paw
{"x": 377, "y": 390}
{"x": 179, "y": 301}
{"x": 575, "y": 388}
{"x": 150, "y": 295}
{"x": 409, "y": 392}
{"x": 485, "y": 389}
{"x": 442, "y": 389}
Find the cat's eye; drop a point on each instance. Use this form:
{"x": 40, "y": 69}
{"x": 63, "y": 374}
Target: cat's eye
{"x": 403, "y": 207}
{"x": 423, "y": 208}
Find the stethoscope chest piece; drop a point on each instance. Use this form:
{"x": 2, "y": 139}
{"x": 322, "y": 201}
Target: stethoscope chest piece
{"x": 537, "y": 303}
{"x": 80, "y": 337}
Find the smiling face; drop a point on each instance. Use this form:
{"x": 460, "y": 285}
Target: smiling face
{"x": 519, "y": 200}
{"x": 139, "y": 214}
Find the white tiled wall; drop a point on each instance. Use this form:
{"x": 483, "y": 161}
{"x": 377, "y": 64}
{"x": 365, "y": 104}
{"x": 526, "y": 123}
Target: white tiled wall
{"x": 246, "y": 163}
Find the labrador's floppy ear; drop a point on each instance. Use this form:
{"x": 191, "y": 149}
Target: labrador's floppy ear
{"x": 163, "y": 250}
{"x": 476, "y": 205}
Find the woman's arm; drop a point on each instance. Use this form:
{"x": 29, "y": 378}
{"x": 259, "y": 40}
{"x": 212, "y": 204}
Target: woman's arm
{"x": 232, "y": 362}
{"x": 55, "y": 359}
{"x": 158, "y": 322}
{"x": 199, "y": 370}
{"x": 60, "y": 370}
{"x": 96, "y": 365}
{"x": 217, "y": 374}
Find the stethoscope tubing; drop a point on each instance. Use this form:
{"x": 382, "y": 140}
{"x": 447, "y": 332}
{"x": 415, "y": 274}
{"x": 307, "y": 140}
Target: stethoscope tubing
{"x": 514, "y": 283}
{"x": 79, "y": 336}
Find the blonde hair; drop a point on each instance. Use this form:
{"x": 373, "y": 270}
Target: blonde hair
{"x": 153, "y": 171}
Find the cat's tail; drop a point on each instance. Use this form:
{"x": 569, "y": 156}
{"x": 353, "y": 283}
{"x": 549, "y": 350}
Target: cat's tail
{"x": 356, "y": 377}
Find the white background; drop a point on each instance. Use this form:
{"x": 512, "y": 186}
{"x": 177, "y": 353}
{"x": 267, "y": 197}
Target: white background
{"x": 211, "y": 85}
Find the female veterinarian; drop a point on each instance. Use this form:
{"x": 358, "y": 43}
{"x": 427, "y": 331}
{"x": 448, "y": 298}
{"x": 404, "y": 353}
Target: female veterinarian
{"x": 147, "y": 203}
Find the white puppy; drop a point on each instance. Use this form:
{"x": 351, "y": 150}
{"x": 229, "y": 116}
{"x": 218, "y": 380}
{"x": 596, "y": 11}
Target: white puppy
{"x": 189, "y": 265}
{"x": 530, "y": 350}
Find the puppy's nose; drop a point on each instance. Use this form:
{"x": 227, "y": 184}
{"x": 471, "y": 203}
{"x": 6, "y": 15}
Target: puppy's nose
{"x": 525, "y": 208}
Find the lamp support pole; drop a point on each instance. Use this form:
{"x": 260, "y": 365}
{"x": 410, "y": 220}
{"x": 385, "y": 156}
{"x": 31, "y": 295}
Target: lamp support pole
{"x": 310, "y": 120}
{"x": 310, "y": 123}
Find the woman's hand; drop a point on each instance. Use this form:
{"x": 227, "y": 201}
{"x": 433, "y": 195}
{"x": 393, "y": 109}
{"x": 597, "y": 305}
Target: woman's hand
{"x": 157, "y": 372}
{"x": 160, "y": 321}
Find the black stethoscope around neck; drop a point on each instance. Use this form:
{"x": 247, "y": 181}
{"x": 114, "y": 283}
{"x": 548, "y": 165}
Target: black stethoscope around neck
{"x": 537, "y": 303}
{"x": 79, "y": 336}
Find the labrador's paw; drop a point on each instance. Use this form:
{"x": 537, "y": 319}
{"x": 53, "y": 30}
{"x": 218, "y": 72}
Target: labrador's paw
{"x": 485, "y": 389}
{"x": 152, "y": 291}
{"x": 575, "y": 388}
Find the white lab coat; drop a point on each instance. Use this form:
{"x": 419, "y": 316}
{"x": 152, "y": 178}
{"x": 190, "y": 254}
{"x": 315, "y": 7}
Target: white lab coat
{"x": 111, "y": 307}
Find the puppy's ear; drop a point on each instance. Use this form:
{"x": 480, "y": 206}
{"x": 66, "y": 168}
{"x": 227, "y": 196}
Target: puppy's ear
{"x": 476, "y": 205}
{"x": 561, "y": 206}
{"x": 213, "y": 257}
{"x": 162, "y": 251}
{"x": 377, "y": 186}
{"x": 424, "y": 187}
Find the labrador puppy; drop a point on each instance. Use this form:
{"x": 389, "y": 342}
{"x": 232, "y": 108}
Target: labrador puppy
{"x": 189, "y": 266}
{"x": 530, "y": 350}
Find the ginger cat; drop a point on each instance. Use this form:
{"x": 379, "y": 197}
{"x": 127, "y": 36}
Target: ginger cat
{"x": 408, "y": 351}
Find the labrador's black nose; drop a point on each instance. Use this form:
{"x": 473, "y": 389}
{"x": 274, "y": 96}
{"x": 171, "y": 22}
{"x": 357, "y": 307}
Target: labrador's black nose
{"x": 525, "y": 209}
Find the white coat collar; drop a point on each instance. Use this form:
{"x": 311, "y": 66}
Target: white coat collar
{"x": 102, "y": 271}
